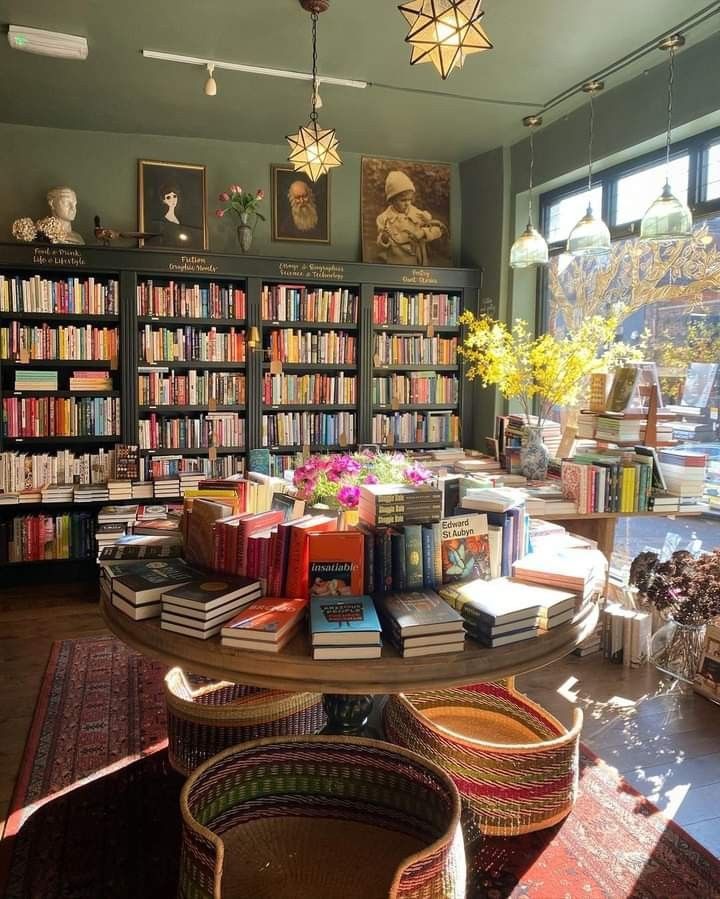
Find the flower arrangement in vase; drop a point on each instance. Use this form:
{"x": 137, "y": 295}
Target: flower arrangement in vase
{"x": 335, "y": 479}
{"x": 543, "y": 372}
{"x": 685, "y": 590}
{"x": 242, "y": 204}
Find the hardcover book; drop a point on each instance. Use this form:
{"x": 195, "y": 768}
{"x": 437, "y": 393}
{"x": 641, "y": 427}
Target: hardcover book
{"x": 266, "y": 620}
{"x": 338, "y": 620}
{"x": 489, "y": 603}
{"x": 147, "y": 584}
{"x": 336, "y": 563}
{"x": 622, "y": 388}
{"x": 139, "y": 552}
{"x": 208, "y": 593}
{"x": 465, "y": 548}
{"x": 417, "y": 613}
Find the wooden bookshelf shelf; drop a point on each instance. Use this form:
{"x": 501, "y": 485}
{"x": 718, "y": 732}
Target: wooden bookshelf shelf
{"x": 192, "y": 450}
{"x": 309, "y": 326}
{"x": 429, "y": 366}
{"x": 309, "y": 407}
{"x": 175, "y": 410}
{"x": 313, "y": 447}
{"x": 65, "y": 394}
{"x": 193, "y": 363}
{"x": 418, "y": 329}
{"x": 417, "y": 407}
{"x": 314, "y": 366}
{"x": 59, "y": 318}
{"x": 61, "y": 363}
{"x": 203, "y": 322}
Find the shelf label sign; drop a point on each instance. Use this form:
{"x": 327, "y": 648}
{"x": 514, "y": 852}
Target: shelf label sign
{"x": 193, "y": 264}
{"x": 320, "y": 271}
{"x": 58, "y": 256}
{"x": 419, "y": 276}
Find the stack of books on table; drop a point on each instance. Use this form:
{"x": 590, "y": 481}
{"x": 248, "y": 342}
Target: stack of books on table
{"x": 266, "y": 625}
{"x": 35, "y": 380}
{"x": 108, "y": 534}
{"x": 95, "y": 381}
{"x": 629, "y": 427}
{"x": 389, "y": 504}
{"x": 57, "y": 493}
{"x": 420, "y": 623}
{"x": 344, "y": 627}
{"x": 496, "y": 612}
{"x": 201, "y": 607}
{"x": 548, "y": 499}
{"x": 117, "y": 514}
{"x": 582, "y": 572}
{"x": 138, "y": 594}
{"x": 119, "y": 490}
{"x": 90, "y": 493}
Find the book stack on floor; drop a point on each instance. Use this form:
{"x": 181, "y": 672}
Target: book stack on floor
{"x": 266, "y": 625}
{"x": 420, "y": 623}
{"x": 201, "y": 607}
{"x": 344, "y": 627}
{"x": 625, "y": 634}
{"x": 138, "y": 594}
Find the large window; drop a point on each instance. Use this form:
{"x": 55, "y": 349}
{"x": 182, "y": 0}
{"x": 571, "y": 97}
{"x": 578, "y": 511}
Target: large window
{"x": 635, "y": 192}
{"x": 565, "y": 213}
{"x": 712, "y": 173}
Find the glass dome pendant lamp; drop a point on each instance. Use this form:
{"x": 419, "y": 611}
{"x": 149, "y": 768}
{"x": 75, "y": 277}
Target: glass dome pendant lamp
{"x": 530, "y": 248}
{"x": 668, "y": 218}
{"x": 591, "y": 236}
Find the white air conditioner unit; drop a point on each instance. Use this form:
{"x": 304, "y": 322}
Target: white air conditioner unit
{"x": 47, "y": 43}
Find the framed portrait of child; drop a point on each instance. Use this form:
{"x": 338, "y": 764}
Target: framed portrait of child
{"x": 405, "y": 212}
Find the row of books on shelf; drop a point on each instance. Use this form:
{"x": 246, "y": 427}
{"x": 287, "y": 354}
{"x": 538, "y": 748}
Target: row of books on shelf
{"x": 76, "y": 296}
{"x": 414, "y": 349}
{"x": 415, "y": 427}
{"x": 194, "y": 388}
{"x": 308, "y": 428}
{"x": 618, "y": 427}
{"x": 324, "y": 348}
{"x": 29, "y": 381}
{"x": 286, "y": 302}
{"x": 209, "y": 429}
{"x": 422, "y": 387}
{"x": 316, "y": 389}
{"x": 191, "y": 344}
{"x": 72, "y": 342}
{"x": 182, "y": 300}
{"x": 32, "y": 538}
{"x": 398, "y": 308}
{"x": 61, "y": 417}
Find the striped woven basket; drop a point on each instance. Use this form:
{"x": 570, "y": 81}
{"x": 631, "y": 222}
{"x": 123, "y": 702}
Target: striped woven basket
{"x": 321, "y": 818}
{"x": 206, "y": 716}
{"x": 515, "y": 765}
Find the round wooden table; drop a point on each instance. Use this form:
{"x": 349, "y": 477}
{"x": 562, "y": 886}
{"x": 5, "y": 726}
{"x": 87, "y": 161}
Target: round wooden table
{"x": 348, "y": 685}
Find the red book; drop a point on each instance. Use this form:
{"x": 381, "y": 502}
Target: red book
{"x": 296, "y": 583}
{"x": 266, "y": 620}
{"x": 279, "y": 557}
{"x": 258, "y": 521}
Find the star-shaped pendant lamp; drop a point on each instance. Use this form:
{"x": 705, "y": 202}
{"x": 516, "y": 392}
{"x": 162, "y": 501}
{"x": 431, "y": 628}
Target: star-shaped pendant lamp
{"x": 314, "y": 149}
{"x": 444, "y": 32}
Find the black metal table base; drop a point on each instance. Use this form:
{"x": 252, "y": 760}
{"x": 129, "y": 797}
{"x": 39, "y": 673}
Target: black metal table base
{"x": 348, "y": 715}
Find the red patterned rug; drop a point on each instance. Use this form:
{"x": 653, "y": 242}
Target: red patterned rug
{"x": 95, "y": 811}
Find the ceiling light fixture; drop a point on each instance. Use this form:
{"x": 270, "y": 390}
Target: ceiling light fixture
{"x": 531, "y": 247}
{"x": 444, "y": 32}
{"x": 591, "y": 236}
{"x": 250, "y": 70}
{"x": 668, "y": 218}
{"x": 211, "y": 84}
{"x": 314, "y": 150}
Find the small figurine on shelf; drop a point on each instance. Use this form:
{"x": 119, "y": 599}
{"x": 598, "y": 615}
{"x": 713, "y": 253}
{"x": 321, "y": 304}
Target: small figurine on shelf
{"x": 105, "y": 235}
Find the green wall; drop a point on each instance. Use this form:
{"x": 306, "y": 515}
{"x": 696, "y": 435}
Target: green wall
{"x": 102, "y": 168}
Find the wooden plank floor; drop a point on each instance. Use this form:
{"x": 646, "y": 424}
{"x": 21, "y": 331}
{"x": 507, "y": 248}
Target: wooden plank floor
{"x": 664, "y": 740}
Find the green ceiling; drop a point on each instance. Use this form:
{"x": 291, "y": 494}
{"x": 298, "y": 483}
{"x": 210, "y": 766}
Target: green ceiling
{"x": 540, "y": 49}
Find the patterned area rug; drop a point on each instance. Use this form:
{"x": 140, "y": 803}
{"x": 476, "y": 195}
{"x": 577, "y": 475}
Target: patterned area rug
{"x": 95, "y": 813}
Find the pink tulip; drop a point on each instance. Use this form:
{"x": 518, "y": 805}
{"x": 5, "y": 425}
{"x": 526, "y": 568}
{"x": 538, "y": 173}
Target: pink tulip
{"x": 260, "y": 194}
{"x": 219, "y": 213}
{"x": 223, "y": 197}
{"x": 236, "y": 189}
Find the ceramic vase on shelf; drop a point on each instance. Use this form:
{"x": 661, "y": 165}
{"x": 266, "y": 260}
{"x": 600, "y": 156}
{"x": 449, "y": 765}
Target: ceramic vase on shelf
{"x": 675, "y": 649}
{"x": 245, "y": 232}
{"x": 534, "y": 455}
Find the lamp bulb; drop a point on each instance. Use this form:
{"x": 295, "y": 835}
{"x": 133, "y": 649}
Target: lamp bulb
{"x": 210, "y": 84}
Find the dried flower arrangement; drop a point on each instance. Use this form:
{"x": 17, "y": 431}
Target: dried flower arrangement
{"x": 683, "y": 588}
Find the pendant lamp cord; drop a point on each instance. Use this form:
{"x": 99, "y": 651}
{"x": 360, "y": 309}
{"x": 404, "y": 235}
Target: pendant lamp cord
{"x": 313, "y": 114}
{"x": 591, "y": 132}
{"x": 671, "y": 79}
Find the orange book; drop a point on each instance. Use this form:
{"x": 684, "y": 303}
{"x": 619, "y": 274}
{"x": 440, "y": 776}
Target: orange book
{"x": 336, "y": 563}
{"x": 297, "y": 562}
{"x": 270, "y": 619}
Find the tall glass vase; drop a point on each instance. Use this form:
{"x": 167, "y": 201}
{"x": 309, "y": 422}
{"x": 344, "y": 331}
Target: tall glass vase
{"x": 245, "y": 232}
{"x": 675, "y": 649}
{"x": 534, "y": 455}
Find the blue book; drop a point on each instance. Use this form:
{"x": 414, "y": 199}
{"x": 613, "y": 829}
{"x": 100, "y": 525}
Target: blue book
{"x": 338, "y": 620}
{"x": 259, "y": 460}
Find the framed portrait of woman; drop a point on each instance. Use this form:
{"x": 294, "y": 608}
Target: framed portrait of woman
{"x": 172, "y": 204}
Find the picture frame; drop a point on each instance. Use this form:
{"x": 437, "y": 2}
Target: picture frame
{"x": 172, "y": 204}
{"x": 307, "y": 219}
{"x": 405, "y": 212}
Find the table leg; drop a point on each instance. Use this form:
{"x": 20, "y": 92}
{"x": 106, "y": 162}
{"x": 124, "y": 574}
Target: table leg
{"x": 347, "y": 715}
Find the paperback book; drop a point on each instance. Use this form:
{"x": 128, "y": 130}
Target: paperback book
{"x": 341, "y": 620}
{"x": 465, "y": 548}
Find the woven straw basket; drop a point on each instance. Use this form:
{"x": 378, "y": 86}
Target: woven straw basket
{"x": 207, "y": 716}
{"x": 321, "y": 818}
{"x": 515, "y": 765}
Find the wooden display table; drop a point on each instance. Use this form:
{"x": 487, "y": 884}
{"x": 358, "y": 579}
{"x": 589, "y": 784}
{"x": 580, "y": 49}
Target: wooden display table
{"x": 348, "y": 684}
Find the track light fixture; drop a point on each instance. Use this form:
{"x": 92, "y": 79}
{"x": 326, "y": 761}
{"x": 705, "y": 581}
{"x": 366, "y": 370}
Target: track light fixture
{"x": 210, "y": 84}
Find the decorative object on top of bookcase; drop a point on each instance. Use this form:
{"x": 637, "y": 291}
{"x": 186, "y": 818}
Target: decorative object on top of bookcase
{"x": 107, "y": 235}
{"x": 335, "y": 480}
{"x": 313, "y": 149}
{"x": 685, "y": 589}
{"x": 24, "y": 229}
{"x": 444, "y": 32}
{"x": 300, "y": 207}
{"x": 244, "y": 205}
{"x": 172, "y": 201}
{"x": 405, "y": 211}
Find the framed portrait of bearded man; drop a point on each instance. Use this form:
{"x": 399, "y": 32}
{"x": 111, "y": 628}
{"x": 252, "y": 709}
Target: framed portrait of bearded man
{"x": 300, "y": 207}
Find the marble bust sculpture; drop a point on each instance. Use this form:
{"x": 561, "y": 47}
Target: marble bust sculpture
{"x": 63, "y": 205}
